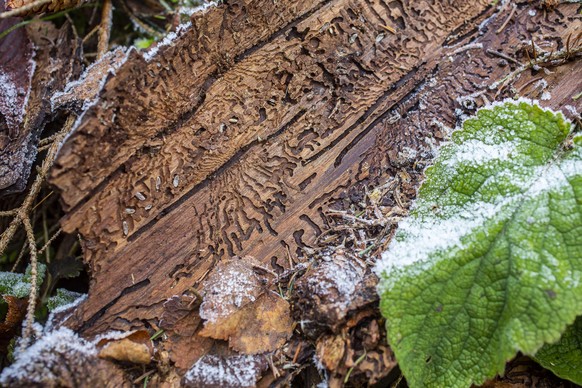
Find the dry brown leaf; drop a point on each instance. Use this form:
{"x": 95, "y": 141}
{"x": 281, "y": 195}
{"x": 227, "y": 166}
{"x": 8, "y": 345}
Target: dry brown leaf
{"x": 180, "y": 321}
{"x": 330, "y": 351}
{"x": 15, "y": 314}
{"x": 57, "y": 60}
{"x": 239, "y": 309}
{"x": 16, "y": 69}
{"x": 258, "y": 327}
{"x": 377, "y": 364}
{"x": 135, "y": 348}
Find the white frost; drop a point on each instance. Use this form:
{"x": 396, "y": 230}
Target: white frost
{"x": 230, "y": 286}
{"x": 235, "y": 371}
{"x": 38, "y": 363}
{"x": 52, "y": 318}
{"x": 15, "y": 98}
{"x": 340, "y": 280}
{"x": 180, "y": 30}
{"x": 420, "y": 237}
{"x": 477, "y": 152}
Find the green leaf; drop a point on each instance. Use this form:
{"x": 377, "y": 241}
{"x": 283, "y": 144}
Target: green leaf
{"x": 489, "y": 262}
{"x": 17, "y": 284}
{"x": 63, "y": 297}
{"x": 564, "y": 358}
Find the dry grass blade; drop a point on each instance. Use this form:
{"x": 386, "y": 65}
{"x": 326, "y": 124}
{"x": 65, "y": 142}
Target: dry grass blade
{"x": 24, "y": 210}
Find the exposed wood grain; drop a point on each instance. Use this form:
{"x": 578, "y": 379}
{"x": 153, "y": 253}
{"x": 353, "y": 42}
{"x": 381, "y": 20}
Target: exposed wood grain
{"x": 248, "y": 163}
{"x": 166, "y": 90}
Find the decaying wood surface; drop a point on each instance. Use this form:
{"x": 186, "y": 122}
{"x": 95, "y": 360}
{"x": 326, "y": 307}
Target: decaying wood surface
{"x": 239, "y": 136}
{"x": 51, "y": 57}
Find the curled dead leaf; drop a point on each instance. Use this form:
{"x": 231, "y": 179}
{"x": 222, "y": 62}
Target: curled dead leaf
{"x": 258, "y": 327}
{"x": 180, "y": 322}
{"x": 135, "y": 348}
{"x": 326, "y": 295}
{"x": 15, "y": 314}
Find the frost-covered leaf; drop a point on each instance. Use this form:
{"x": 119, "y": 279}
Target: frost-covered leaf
{"x": 62, "y": 297}
{"x": 17, "y": 284}
{"x": 231, "y": 285}
{"x": 490, "y": 261}
{"x": 239, "y": 309}
{"x": 337, "y": 285}
{"x": 564, "y": 357}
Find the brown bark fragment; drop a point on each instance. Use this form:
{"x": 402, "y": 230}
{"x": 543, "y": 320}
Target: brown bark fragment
{"x": 16, "y": 69}
{"x": 56, "y": 61}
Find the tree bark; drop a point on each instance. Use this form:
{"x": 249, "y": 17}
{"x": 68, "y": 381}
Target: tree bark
{"x": 240, "y": 135}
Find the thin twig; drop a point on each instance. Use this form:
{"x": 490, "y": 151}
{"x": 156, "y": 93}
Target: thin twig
{"x": 507, "y": 20}
{"x": 501, "y": 55}
{"x": 377, "y": 222}
{"x": 24, "y": 9}
{"x": 104, "y": 29}
{"x": 49, "y": 242}
{"x": 19, "y": 258}
{"x": 547, "y": 59}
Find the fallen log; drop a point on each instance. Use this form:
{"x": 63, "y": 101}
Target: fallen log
{"x": 238, "y": 137}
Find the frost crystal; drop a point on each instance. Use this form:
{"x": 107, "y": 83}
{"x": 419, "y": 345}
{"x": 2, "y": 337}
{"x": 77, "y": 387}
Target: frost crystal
{"x": 48, "y": 359}
{"x": 335, "y": 281}
{"x": 229, "y": 287}
{"x": 55, "y": 317}
{"x": 235, "y": 371}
